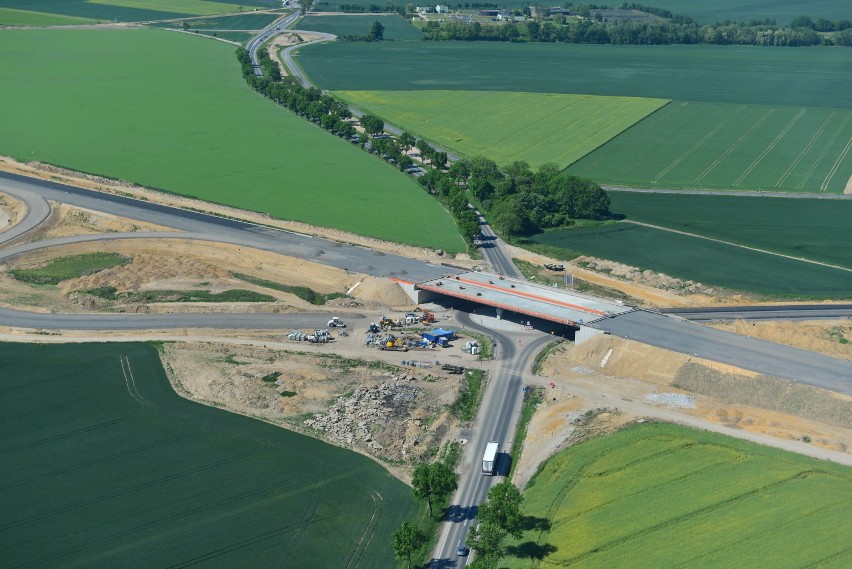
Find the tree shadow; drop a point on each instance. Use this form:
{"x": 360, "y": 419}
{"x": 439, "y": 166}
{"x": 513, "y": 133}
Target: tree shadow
{"x": 457, "y": 513}
{"x": 532, "y": 523}
{"x": 531, "y": 550}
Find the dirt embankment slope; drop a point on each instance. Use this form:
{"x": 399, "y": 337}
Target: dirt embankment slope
{"x": 631, "y": 381}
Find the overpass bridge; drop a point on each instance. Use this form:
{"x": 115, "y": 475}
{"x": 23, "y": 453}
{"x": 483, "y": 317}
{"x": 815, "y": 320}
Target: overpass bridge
{"x": 520, "y": 296}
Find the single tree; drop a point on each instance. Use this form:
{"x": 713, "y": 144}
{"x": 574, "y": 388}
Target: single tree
{"x": 487, "y": 540}
{"x": 503, "y": 509}
{"x": 406, "y": 540}
{"x": 372, "y": 124}
{"x": 406, "y": 141}
{"x": 185, "y": 25}
{"x": 377, "y": 32}
{"x": 434, "y": 482}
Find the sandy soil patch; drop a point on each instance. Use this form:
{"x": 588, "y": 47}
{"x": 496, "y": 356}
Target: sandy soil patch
{"x": 53, "y": 173}
{"x": 387, "y": 412}
{"x": 735, "y": 402}
{"x": 848, "y": 189}
{"x": 11, "y": 211}
{"x": 647, "y": 292}
{"x": 825, "y": 337}
{"x": 67, "y": 221}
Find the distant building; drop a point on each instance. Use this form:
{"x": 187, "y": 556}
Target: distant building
{"x": 424, "y": 9}
{"x": 442, "y": 9}
{"x": 487, "y": 13}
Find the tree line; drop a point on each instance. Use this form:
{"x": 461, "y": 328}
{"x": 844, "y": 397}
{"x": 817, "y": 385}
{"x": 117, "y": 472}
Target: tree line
{"x": 662, "y": 32}
{"x": 519, "y": 200}
{"x": 498, "y": 517}
{"x": 288, "y": 92}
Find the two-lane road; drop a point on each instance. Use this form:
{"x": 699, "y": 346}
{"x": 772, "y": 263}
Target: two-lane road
{"x": 496, "y": 421}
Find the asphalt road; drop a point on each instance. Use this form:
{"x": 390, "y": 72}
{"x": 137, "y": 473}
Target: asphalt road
{"x": 266, "y": 33}
{"x": 749, "y": 353}
{"x": 227, "y": 321}
{"x": 496, "y": 421}
{"x": 205, "y": 227}
{"x": 491, "y": 248}
{"x": 786, "y": 312}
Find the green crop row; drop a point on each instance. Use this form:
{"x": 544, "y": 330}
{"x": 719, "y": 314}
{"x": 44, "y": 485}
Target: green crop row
{"x": 702, "y": 145}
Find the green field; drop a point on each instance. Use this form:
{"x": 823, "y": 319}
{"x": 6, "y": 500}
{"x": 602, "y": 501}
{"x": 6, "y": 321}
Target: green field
{"x": 708, "y": 262}
{"x": 396, "y": 28}
{"x": 782, "y": 11}
{"x": 661, "y": 495}
{"x": 536, "y": 127}
{"x": 12, "y": 16}
{"x": 240, "y": 22}
{"x": 701, "y": 145}
{"x": 105, "y": 466}
{"x": 812, "y": 77}
{"x": 191, "y": 126}
{"x": 118, "y": 10}
{"x": 817, "y": 229}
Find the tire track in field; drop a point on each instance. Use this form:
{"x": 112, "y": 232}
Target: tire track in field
{"x": 834, "y": 168}
{"x": 822, "y": 154}
{"x": 130, "y": 381}
{"x": 708, "y": 509}
{"x": 652, "y": 119}
{"x": 651, "y": 149}
{"x": 806, "y": 149}
{"x": 95, "y": 462}
{"x": 770, "y": 147}
{"x": 731, "y": 148}
{"x": 756, "y": 537}
{"x": 741, "y": 246}
{"x": 184, "y": 513}
{"x": 68, "y": 434}
{"x": 131, "y": 489}
{"x": 369, "y": 530}
{"x": 697, "y": 145}
{"x": 307, "y": 519}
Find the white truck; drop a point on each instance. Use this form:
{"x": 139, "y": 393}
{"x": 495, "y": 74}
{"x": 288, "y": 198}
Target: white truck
{"x": 489, "y": 458}
{"x": 336, "y": 322}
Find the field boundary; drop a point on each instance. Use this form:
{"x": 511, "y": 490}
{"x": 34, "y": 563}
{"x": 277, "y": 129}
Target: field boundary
{"x": 734, "y": 244}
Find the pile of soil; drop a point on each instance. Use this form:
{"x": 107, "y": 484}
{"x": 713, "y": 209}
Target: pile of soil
{"x": 383, "y": 291}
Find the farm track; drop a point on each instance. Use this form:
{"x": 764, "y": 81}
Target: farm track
{"x": 733, "y": 244}
{"x": 806, "y": 149}
{"x": 734, "y": 193}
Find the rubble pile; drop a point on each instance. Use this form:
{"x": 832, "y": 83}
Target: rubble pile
{"x": 376, "y": 418}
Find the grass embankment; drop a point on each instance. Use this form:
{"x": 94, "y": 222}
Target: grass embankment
{"x": 486, "y": 344}
{"x": 662, "y": 495}
{"x": 234, "y": 295}
{"x": 302, "y": 292}
{"x": 467, "y": 403}
{"x": 140, "y": 477}
{"x": 555, "y": 128}
{"x": 188, "y": 125}
{"x": 70, "y": 267}
{"x": 532, "y": 397}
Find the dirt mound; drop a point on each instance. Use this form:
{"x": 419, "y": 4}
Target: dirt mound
{"x": 383, "y": 291}
{"x": 11, "y": 211}
{"x": 833, "y": 338}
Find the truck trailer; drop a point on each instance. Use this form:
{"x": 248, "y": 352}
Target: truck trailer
{"x": 489, "y": 459}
